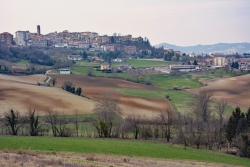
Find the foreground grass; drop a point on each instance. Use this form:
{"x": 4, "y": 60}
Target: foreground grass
{"x": 118, "y": 147}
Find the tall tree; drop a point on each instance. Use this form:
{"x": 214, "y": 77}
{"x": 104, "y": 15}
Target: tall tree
{"x": 248, "y": 117}
{"x": 166, "y": 122}
{"x": 85, "y": 55}
{"x": 34, "y": 123}
{"x": 107, "y": 112}
{"x": 195, "y": 62}
{"x": 220, "y": 108}
{"x": 233, "y": 124}
{"x": 200, "y": 108}
{"x": 13, "y": 121}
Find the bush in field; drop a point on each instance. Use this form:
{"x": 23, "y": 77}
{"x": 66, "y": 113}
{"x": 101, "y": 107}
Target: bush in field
{"x": 175, "y": 88}
{"x": 203, "y": 82}
{"x": 185, "y": 87}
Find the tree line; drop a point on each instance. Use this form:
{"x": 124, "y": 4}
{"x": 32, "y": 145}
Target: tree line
{"x": 203, "y": 125}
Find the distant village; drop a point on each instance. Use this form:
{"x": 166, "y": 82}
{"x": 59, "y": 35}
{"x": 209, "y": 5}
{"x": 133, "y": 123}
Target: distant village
{"x": 86, "y": 40}
{"x": 92, "y": 41}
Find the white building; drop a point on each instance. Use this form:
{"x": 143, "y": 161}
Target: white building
{"x": 220, "y": 61}
{"x": 22, "y": 37}
{"x": 192, "y": 54}
{"x": 64, "y": 70}
{"x": 172, "y": 67}
{"x": 74, "y": 57}
{"x": 61, "y": 45}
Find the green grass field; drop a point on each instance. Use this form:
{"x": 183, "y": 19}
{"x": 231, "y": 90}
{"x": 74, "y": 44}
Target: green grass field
{"x": 83, "y": 71}
{"x": 85, "y": 63}
{"x": 119, "y": 147}
{"x": 148, "y": 63}
{"x": 23, "y": 63}
{"x": 178, "y": 98}
{"x": 167, "y": 81}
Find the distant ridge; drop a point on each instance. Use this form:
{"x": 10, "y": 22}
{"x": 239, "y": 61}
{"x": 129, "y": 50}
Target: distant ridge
{"x": 220, "y": 47}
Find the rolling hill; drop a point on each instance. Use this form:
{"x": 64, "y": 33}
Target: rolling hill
{"x": 220, "y": 47}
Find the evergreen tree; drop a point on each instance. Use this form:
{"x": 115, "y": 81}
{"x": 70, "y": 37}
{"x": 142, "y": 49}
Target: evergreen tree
{"x": 195, "y": 62}
{"x": 242, "y": 126}
{"x": 229, "y": 129}
{"x": 232, "y": 65}
{"x": 232, "y": 124}
{"x": 248, "y": 117}
{"x": 85, "y": 55}
{"x": 236, "y": 65}
{"x": 73, "y": 90}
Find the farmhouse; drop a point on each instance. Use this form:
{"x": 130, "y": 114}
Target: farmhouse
{"x": 179, "y": 67}
{"x": 64, "y": 70}
{"x": 105, "y": 66}
{"x": 74, "y": 57}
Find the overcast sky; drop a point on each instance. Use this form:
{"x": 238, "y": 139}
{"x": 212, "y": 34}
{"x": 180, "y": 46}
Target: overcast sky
{"x": 179, "y": 22}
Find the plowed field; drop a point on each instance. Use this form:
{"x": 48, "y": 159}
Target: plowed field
{"x": 20, "y": 93}
{"x": 235, "y": 90}
{"x": 21, "y": 96}
{"x": 93, "y": 86}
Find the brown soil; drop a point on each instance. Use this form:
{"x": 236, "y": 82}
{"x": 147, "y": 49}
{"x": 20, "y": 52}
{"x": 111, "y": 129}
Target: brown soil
{"x": 22, "y": 97}
{"x": 49, "y": 159}
{"x": 235, "y": 90}
{"x": 30, "y": 79}
{"x": 80, "y": 80}
{"x": 21, "y": 93}
{"x": 92, "y": 87}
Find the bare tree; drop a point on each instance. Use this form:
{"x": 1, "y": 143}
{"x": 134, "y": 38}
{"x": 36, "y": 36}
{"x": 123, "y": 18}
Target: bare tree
{"x": 166, "y": 122}
{"x": 201, "y": 110}
{"x": 76, "y": 123}
{"x": 90, "y": 71}
{"x": 134, "y": 122}
{"x": 220, "y": 108}
{"x": 107, "y": 112}
{"x": 59, "y": 123}
{"x": 183, "y": 130}
{"x": 200, "y": 105}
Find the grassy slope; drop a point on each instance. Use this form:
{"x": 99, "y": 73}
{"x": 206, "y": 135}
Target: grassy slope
{"x": 118, "y": 147}
{"x": 148, "y": 63}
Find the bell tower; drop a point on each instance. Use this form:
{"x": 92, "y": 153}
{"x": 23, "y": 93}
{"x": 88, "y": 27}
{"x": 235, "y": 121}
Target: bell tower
{"x": 38, "y": 30}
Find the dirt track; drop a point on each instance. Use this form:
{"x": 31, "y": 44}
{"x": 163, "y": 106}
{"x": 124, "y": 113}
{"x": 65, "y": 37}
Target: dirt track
{"x": 235, "y": 90}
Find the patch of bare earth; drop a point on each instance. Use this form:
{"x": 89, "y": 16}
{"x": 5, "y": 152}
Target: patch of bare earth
{"x": 30, "y": 79}
{"x": 51, "y": 159}
{"x": 22, "y": 93}
{"x": 93, "y": 86}
{"x": 22, "y": 97}
{"x": 235, "y": 90}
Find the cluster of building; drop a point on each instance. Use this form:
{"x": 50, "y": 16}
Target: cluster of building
{"x": 88, "y": 40}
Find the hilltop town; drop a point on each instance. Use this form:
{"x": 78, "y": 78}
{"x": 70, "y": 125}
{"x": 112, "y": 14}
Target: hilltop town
{"x": 85, "y": 40}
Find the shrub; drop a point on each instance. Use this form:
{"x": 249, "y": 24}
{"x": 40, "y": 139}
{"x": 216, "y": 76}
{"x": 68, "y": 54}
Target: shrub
{"x": 175, "y": 88}
{"x": 185, "y": 87}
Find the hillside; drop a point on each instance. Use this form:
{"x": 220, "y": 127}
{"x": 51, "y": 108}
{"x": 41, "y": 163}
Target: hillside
{"x": 220, "y": 47}
{"x": 20, "y": 93}
{"x": 231, "y": 89}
